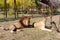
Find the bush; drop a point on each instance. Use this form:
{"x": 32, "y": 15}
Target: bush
{"x": 10, "y": 12}
{"x": 55, "y": 12}
{"x": 48, "y": 11}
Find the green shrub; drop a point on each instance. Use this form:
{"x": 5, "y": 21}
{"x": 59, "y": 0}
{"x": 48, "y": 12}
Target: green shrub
{"x": 55, "y": 12}
{"x": 48, "y": 11}
{"x": 10, "y": 12}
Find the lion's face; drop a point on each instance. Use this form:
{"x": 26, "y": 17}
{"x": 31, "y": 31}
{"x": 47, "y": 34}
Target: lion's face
{"x": 25, "y": 21}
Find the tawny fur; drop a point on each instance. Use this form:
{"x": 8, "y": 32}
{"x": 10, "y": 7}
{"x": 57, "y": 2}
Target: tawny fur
{"x": 23, "y": 22}
{"x": 41, "y": 25}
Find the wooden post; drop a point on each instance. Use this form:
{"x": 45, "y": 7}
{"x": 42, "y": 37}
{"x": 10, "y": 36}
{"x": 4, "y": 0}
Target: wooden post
{"x": 5, "y": 9}
{"x": 15, "y": 9}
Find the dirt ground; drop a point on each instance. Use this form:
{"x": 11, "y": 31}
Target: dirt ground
{"x": 30, "y": 33}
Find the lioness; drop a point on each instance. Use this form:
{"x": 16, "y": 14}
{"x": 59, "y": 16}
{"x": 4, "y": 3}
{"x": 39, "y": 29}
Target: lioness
{"x": 41, "y": 25}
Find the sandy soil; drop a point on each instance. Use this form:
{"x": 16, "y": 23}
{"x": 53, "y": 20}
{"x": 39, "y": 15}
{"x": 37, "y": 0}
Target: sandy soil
{"x": 30, "y": 33}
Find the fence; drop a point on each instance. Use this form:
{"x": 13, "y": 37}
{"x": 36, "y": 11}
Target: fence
{"x": 16, "y": 11}
{"x": 21, "y": 12}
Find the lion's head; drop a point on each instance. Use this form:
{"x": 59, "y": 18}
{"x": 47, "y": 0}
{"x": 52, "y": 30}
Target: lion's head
{"x": 25, "y": 21}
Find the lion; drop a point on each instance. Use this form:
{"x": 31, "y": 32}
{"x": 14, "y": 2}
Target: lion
{"x": 24, "y": 22}
{"x": 41, "y": 25}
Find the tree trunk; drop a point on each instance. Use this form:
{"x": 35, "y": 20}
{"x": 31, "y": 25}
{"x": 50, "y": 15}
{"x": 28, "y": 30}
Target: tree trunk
{"x": 5, "y": 9}
{"x": 51, "y": 7}
{"x": 15, "y": 9}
